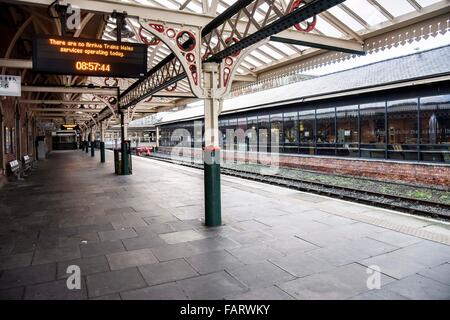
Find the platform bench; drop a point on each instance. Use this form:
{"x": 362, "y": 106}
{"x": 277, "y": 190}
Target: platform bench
{"x": 27, "y": 164}
{"x": 15, "y": 168}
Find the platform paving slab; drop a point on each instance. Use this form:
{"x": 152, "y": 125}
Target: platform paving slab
{"x": 142, "y": 237}
{"x": 87, "y": 266}
{"x": 260, "y": 275}
{"x": 27, "y": 275}
{"x": 167, "y": 271}
{"x": 55, "y": 290}
{"x": 114, "y": 282}
{"x": 439, "y": 273}
{"x": 102, "y": 248}
{"x": 167, "y": 291}
{"x": 417, "y": 287}
{"x": 120, "y": 234}
{"x": 211, "y": 286}
{"x": 213, "y": 261}
{"x": 266, "y": 293}
{"x": 56, "y": 255}
{"x": 336, "y": 284}
{"x": 134, "y": 258}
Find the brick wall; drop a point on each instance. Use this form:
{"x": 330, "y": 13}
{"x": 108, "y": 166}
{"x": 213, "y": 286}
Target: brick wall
{"x": 8, "y": 121}
{"x": 427, "y": 174}
{"x": 8, "y": 113}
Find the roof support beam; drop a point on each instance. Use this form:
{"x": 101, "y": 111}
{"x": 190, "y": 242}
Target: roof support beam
{"x": 316, "y": 45}
{"x": 79, "y": 90}
{"x": 246, "y": 78}
{"x": 166, "y": 94}
{"x": 318, "y": 41}
{"x": 134, "y": 10}
{"x": 71, "y": 103}
{"x": 65, "y": 110}
{"x": 16, "y": 64}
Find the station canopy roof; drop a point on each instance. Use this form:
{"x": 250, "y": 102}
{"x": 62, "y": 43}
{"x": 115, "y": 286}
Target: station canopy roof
{"x": 353, "y": 20}
{"x": 370, "y": 25}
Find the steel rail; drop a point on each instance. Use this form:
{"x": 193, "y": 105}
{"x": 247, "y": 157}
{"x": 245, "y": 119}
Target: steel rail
{"x": 395, "y": 202}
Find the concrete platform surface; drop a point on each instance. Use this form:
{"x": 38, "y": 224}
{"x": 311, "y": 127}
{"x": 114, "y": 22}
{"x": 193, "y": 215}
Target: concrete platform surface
{"x": 142, "y": 237}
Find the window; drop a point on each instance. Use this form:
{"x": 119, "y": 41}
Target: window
{"x": 326, "y": 131}
{"x": 435, "y": 129}
{"x": 223, "y": 127}
{"x": 402, "y": 129}
{"x": 373, "y": 130}
{"x": 347, "y": 131}
{"x": 290, "y": 132}
{"x": 198, "y": 136}
{"x": 242, "y": 139}
{"x": 276, "y": 132}
{"x": 252, "y": 135}
{"x": 263, "y": 133}
{"x": 306, "y": 129}
{"x": 230, "y": 132}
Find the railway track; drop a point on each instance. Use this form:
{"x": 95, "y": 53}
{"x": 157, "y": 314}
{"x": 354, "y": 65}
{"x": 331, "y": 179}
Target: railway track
{"x": 377, "y": 199}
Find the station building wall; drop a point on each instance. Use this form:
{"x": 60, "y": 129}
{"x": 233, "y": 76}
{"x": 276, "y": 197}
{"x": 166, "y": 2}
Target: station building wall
{"x": 392, "y": 171}
{"x": 396, "y": 135}
{"x": 17, "y": 133}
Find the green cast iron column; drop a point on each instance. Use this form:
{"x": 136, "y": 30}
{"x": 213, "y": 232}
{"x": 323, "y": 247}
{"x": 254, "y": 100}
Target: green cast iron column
{"x": 213, "y": 206}
{"x": 102, "y": 152}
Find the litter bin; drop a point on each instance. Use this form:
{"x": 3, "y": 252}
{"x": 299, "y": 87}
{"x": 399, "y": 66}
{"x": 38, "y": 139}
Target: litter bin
{"x": 118, "y": 165}
{"x": 117, "y": 162}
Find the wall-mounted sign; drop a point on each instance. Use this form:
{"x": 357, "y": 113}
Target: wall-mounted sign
{"x": 91, "y": 57}
{"x": 10, "y": 86}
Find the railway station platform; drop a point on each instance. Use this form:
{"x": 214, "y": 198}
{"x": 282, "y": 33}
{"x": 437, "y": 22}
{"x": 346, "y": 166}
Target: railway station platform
{"x": 142, "y": 237}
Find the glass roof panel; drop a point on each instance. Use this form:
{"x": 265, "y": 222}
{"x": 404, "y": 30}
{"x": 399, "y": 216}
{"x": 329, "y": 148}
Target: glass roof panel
{"x": 261, "y": 57}
{"x": 286, "y": 49}
{"x": 167, "y": 4}
{"x": 425, "y": 3}
{"x": 366, "y": 11}
{"x": 397, "y": 7}
{"x": 252, "y": 61}
{"x": 327, "y": 28}
{"x": 195, "y": 7}
{"x": 346, "y": 19}
{"x": 271, "y": 52}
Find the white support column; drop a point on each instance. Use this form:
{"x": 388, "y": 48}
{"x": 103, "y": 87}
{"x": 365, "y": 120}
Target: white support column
{"x": 102, "y": 131}
{"x": 125, "y": 126}
{"x": 157, "y": 137}
{"x": 212, "y": 104}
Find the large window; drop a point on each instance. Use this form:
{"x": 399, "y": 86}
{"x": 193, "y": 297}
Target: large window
{"x": 252, "y": 127}
{"x": 307, "y": 129}
{"x": 276, "y": 132}
{"x": 231, "y": 134}
{"x": 402, "y": 129}
{"x": 435, "y": 129}
{"x": 223, "y": 131}
{"x": 263, "y": 133}
{"x": 373, "y": 130}
{"x": 290, "y": 132}
{"x": 326, "y": 131}
{"x": 242, "y": 139}
{"x": 347, "y": 131}
{"x": 409, "y": 130}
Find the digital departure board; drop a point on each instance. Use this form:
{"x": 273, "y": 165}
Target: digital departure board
{"x": 91, "y": 57}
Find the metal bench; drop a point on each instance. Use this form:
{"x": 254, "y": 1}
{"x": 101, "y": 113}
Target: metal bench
{"x": 15, "y": 169}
